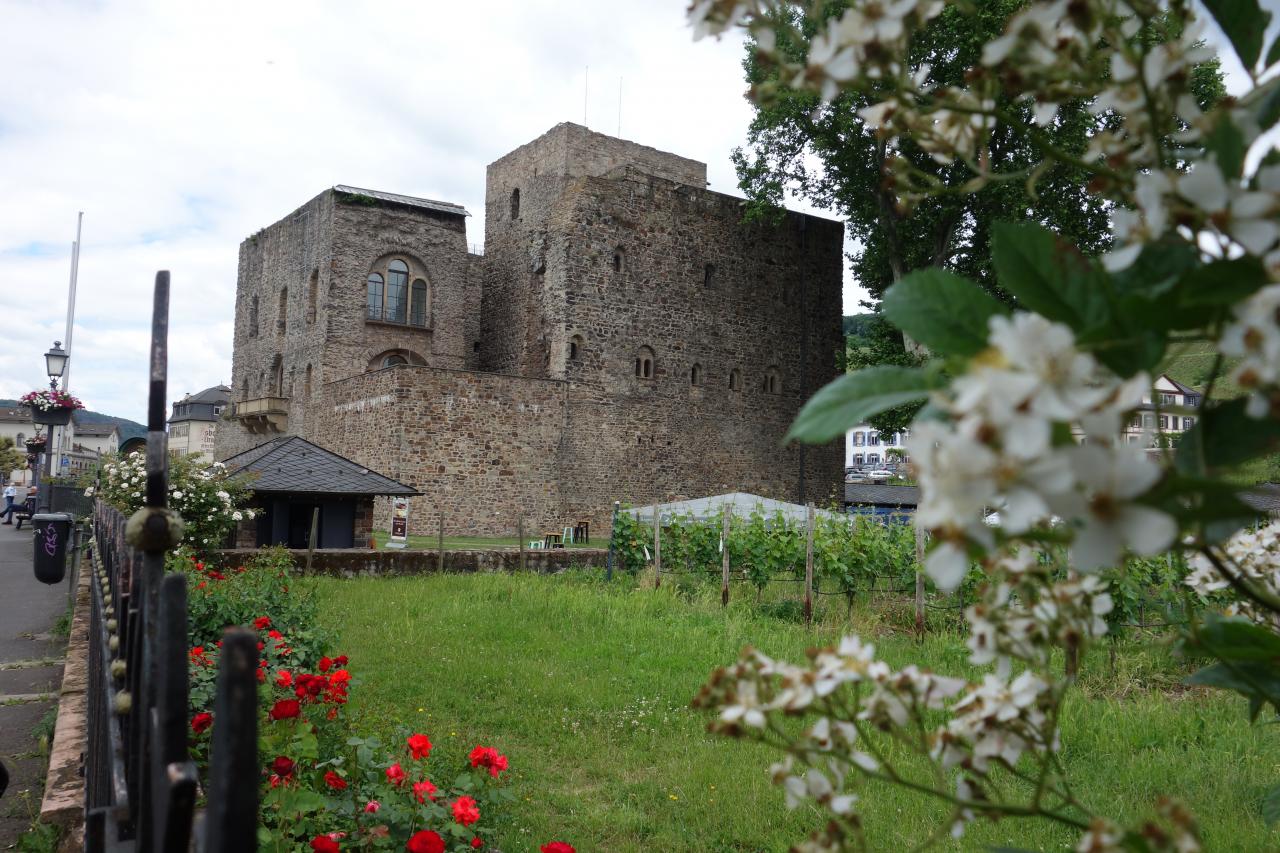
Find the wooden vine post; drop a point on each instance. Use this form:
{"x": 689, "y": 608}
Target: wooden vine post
{"x": 440, "y": 545}
{"x": 520, "y": 536}
{"x": 919, "y": 582}
{"x": 808, "y": 566}
{"x": 727, "y": 513}
{"x": 657, "y": 548}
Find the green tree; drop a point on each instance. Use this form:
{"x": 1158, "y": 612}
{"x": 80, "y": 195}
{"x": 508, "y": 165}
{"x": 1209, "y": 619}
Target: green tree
{"x": 11, "y": 457}
{"x": 827, "y": 155}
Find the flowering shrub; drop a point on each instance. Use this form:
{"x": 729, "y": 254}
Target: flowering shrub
{"x": 50, "y": 399}
{"x": 1027, "y": 406}
{"x": 324, "y": 787}
{"x": 210, "y": 501}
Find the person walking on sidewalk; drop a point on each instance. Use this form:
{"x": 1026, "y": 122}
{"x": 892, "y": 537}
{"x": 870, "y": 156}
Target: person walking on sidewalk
{"x": 10, "y": 493}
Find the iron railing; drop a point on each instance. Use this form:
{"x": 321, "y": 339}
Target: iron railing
{"x": 141, "y": 787}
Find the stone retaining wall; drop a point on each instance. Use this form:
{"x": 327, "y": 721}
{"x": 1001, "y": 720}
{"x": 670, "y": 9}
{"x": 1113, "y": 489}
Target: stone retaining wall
{"x": 347, "y": 562}
{"x": 63, "y": 802}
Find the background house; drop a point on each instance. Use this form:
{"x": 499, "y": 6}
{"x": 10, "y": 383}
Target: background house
{"x": 194, "y": 422}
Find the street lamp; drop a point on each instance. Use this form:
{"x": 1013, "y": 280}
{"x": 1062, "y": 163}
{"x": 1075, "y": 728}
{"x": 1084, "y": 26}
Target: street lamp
{"x": 55, "y": 362}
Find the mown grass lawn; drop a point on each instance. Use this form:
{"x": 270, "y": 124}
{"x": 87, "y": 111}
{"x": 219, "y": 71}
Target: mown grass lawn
{"x": 586, "y": 688}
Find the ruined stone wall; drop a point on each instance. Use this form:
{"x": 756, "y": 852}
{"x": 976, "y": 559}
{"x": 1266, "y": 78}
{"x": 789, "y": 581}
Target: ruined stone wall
{"x": 481, "y": 447}
{"x": 335, "y": 241}
{"x": 695, "y": 286}
{"x": 282, "y": 257}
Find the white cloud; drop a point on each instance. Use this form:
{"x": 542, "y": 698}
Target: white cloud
{"x": 182, "y": 129}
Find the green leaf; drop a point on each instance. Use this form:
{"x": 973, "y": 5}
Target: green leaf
{"x": 1222, "y": 282}
{"x": 1227, "y": 144}
{"x": 854, "y": 397}
{"x": 1226, "y": 436}
{"x": 1237, "y": 638}
{"x": 942, "y": 311}
{"x": 1252, "y": 679}
{"x": 1271, "y": 806}
{"x": 1273, "y": 55}
{"x": 1264, "y": 103}
{"x": 1244, "y": 23}
{"x": 1049, "y": 277}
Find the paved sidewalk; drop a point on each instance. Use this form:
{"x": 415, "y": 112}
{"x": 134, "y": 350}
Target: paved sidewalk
{"x": 30, "y": 673}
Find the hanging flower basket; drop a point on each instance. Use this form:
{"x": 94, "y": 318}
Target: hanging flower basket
{"x": 51, "y": 407}
{"x": 35, "y": 446}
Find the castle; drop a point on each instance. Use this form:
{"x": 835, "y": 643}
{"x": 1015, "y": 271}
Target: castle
{"x": 626, "y": 335}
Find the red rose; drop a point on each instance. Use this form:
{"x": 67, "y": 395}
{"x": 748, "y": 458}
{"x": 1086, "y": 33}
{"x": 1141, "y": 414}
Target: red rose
{"x": 282, "y": 766}
{"x": 262, "y": 675}
{"x": 284, "y": 678}
{"x": 424, "y": 790}
{"x": 285, "y": 709}
{"x": 199, "y": 567}
{"x": 465, "y": 811}
{"x": 334, "y": 781}
{"x": 324, "y": 844}
{"x": 262, "y": 623}
{"x": 201, "y": 585}
{"x": 487, "y": 756}
{"x": 326, "y": 664}
{"x": 200, "y": 722}
{"x": 372, "y": 806}
{"x": 425, "y": 841}
{"x": 476, "y": 843}
{"x": 557, "y": 847}
{"x": 340, "y": 660}
{"x": 419, "y": 746}
{"x": 395, "y": 774}
{"x": 275, "y": 635}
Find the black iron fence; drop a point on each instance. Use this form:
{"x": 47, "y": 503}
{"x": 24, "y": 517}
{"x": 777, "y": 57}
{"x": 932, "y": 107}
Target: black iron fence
{"x": 141, "y": 788}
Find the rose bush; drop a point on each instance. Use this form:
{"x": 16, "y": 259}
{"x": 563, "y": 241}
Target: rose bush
{"x": 325, "y": 787}
{"x": 210, "y": 501}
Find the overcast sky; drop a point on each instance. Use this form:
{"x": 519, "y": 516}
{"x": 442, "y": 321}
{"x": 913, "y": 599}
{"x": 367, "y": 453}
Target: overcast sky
{"x": 181, "y": 129}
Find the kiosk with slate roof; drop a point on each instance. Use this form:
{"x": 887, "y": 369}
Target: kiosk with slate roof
{"x": 291, "y": 477}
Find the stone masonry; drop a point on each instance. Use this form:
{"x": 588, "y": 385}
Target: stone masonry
{"x": 626, "y": 336}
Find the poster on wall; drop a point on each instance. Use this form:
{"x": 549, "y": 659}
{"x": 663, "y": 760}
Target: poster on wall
{"x": 399, "y": 523}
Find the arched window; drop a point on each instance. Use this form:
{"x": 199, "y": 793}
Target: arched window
{"x": 253, "y": 317}
{"x": 282, "y": 310}
{"x": 418, "y": 303}
{"x": 391, "y": 299}
{"x": 515, "y": 204}
{"x": 306, "y": 382}
{"x": 394, "y": 360}
{"x": 375, "y": 296}
{"x": 735, "y": 379}
{"x": 397, "y": 290}
{"x": 313, "y": 292}
{"x": 772, "y": 384}
{"x": 695, "y": 375}
{"x": 619, "y": 259}
{"x": 708, "y": 274}
{"x": 575, "y": 348}
{"x": 644, "y": 363}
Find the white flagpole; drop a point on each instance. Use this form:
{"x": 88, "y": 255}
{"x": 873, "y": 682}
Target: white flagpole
{"x": 71, "y": 320}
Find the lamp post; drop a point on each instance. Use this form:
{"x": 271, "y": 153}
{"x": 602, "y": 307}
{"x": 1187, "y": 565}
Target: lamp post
{"x": 55, "y": 363}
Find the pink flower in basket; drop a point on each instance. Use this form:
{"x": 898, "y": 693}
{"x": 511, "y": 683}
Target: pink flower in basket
{"x": 48, "y": 399}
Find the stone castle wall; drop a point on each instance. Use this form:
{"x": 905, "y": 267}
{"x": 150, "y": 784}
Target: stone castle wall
{"x": 612, "y": 253}
{"x": 482, "y": 448}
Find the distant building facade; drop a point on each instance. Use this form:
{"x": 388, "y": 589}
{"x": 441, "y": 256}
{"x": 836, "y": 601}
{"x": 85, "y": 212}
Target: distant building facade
{"x": 866, "y": 448}
{"x": 626, "y": 336}
{"x": 193, "y": 425}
